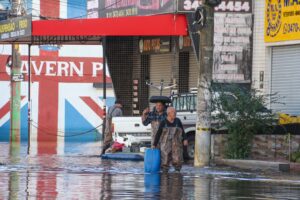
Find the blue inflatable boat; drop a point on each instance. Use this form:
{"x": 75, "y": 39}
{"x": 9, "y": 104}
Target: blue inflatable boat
{"x": 123, "y": 156}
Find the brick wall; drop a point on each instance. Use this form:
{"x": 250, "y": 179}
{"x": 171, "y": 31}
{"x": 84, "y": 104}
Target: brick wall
{"x": 264, "y": 147}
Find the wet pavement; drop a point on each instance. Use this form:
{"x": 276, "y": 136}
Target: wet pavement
{"x": 81, "y": 174}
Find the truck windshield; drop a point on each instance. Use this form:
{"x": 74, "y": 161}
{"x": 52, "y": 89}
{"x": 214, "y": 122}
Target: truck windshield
{"x": 184, "y": 102}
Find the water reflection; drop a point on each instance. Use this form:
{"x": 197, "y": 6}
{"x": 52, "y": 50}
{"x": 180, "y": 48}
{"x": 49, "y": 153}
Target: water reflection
{"x": 13, "y": 185}
{"x": 171, "y": 186}
{"x": 14, "y": 155}
{"x": 81, "y": 174}
{"x": 152, "y": 184}
{"x": 202, "y": 187}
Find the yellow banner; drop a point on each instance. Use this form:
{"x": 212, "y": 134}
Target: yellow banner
{"x": 282, "y": 20}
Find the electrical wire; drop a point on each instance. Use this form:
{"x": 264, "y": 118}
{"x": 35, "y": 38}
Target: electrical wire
{"x": 55, "y": 2}
{"x": 64, "y": 3}
{"x": 57, "y": 78}
{"x": 47, "y": 132}
{"x": 60, "y": 131}
{"x": 81, "y": 16}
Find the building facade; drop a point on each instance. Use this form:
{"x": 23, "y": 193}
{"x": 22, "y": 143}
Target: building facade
{"x": 173, "y": 60}
{"x": 276, "y": 53}
{"x": 66, "y": 88}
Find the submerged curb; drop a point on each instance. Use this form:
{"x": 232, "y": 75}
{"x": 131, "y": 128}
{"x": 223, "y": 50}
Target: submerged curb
{"x": 256, "y": 164}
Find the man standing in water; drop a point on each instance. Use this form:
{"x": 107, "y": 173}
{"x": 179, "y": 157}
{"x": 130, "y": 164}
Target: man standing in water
{"x": 170, "y": 134}
{"x": 114, "y": 111}
{"x": 157, "y": 115}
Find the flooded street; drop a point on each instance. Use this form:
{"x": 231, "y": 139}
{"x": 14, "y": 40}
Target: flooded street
{"x": 81, "y": 174}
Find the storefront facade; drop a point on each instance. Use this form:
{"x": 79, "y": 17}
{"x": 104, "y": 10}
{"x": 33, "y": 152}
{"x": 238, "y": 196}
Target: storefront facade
{"x": 133, "y": 61}
{"x": 147, "y": 61}
{"x": 276, "y": 55}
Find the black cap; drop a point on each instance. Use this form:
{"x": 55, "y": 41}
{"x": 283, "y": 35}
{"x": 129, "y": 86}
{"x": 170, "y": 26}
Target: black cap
{"x": 161, "y": 99}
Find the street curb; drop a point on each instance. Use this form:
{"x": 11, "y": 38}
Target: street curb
{"x": 255, "y": 164}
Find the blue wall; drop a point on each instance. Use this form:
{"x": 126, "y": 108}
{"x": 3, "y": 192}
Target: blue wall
{"x": 75, "y": 124}
{"x": 4, "y": 130}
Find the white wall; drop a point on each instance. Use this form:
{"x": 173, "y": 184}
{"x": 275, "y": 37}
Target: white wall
{"x": 260, "y": 52}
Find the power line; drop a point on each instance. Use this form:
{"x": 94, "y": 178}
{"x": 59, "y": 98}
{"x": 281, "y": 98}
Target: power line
{"x": 55, "y": 2}
{"x": 67, "y": 5}
{"x": 80, "y": 16}
{"x": 98, "y": 10}
{"x": 55, "y": 134}
{"x": 64, "y": 3}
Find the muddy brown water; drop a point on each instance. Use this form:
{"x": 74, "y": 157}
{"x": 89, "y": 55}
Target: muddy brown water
{"x": 79, "y": 173}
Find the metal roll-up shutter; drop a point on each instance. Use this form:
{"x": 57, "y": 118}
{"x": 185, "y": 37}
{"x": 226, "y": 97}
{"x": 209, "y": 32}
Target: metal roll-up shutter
{"x": 121, "y": 56}
{"x": 194, "y": 70}
{"x": 285, "y": 80}
{"x": 160, "y": 69}
{"x": 184, "y": 68}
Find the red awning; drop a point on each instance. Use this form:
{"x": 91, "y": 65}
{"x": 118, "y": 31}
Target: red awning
{"x": 156, "y": 25}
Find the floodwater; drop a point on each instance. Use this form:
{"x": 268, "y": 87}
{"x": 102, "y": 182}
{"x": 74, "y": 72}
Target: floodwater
{"x": 81, "y": 174}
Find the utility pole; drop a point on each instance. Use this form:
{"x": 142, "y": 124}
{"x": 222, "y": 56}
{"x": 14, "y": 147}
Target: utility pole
{"x": 29, "y": 98}
{"x": 15, "y": 102}
{"x": 203, "y": 125}
{"x": 104, "y": 40}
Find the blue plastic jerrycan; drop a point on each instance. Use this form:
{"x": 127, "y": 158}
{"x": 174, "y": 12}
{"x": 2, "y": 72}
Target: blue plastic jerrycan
{"x": 152, "y": 161}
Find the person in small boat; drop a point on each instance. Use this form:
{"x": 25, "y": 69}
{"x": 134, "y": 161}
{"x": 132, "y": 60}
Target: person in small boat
{"x": 171, "y": 139}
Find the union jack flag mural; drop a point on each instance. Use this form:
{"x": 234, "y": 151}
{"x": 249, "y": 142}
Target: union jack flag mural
{"x": 64, "y": 101}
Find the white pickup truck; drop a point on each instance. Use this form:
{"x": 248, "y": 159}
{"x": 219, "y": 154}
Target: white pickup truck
{"x": 130, "y": 130}
{"x": 134, "y": 134}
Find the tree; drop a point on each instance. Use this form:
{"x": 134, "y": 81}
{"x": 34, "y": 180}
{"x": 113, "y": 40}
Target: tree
{"x": 243, "y": 112}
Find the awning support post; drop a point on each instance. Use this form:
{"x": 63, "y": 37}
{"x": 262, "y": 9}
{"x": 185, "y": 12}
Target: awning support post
{"x": 29, "y": 97}
{"x": 104, "y": 85}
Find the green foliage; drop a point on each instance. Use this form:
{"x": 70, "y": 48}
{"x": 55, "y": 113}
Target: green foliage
{"x": 295, "y": 156}
{"x": 243, "y": 112}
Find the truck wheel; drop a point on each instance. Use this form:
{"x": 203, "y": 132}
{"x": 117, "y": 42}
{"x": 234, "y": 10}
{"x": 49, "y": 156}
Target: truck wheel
{"x": 190, "y": 150}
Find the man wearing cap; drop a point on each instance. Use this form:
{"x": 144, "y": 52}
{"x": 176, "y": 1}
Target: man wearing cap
{"x": 157, "y": 115}
{"x": 113, "y": 111}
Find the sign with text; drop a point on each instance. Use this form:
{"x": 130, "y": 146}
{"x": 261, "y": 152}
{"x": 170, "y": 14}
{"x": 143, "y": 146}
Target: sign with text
{"x": 15, "y": 28}
{"x": 184, "y": 43}
{"x": 124, "y": 8}
{"x": 244, "y": 6}
{"x": 282, "y": 20}
{"x": 57, "y": 69}
{"x": 232, "y": 51}
{"x": 155, "y": 45}
{"x": 17, "y": 77}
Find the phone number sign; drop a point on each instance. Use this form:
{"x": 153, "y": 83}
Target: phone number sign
{"x": 243, "y": 6}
